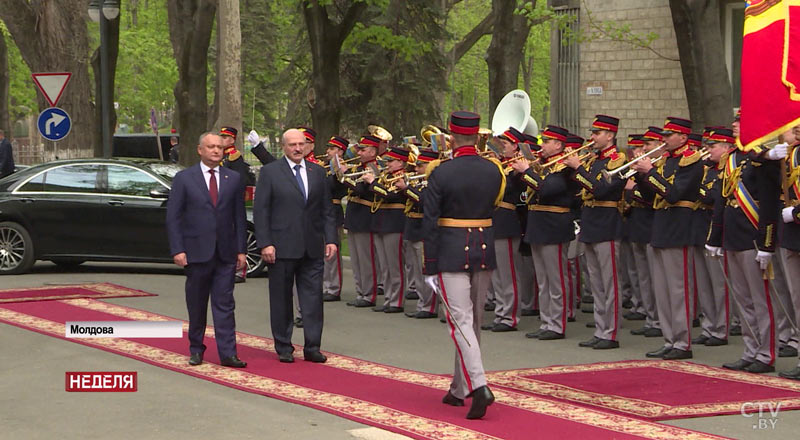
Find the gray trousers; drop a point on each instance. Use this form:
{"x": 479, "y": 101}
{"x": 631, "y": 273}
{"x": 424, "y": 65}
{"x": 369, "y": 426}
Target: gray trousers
{"x": 713, "y": 302}
{"x": 551, "y": 265}
{"x": 362, "y": 258}
{"x": 786, "y": 334}
{"x": 381, "y": 266}
{"x": 411, "y": 274}
{"x": 464, "y": 294}
{"x": 601, "y": 262}
{"x": 332, "y": 273}
{"x": 752, "y": 294}
{"x": 505, "y": 281}
{"x": 528, "y": 289}
{"x": 428, "y": 301}
{"x": 670, "y": 272}
{"x": 391, "y": 247}
{"x": 791, "y": 267}
{"x": 641, "y": 258}
{"x": 629, "y": 285}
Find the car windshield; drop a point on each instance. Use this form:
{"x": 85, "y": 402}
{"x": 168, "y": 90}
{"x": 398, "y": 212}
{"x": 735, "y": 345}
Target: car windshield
{"x": 165, "y": 170}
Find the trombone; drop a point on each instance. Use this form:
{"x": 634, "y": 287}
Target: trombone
{"x": 620, "y": 171}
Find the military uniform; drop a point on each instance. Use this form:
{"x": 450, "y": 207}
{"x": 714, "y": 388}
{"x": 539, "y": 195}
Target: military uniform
{"x": 332, "y": 272}
{"x": 458, "y": 234}
{"x": 790, "y": 239}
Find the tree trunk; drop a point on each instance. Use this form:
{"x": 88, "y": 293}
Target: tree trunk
{"x": 505, "y": 50}
{"x": 705, "y": 75}
{"x": 190, "y": 25}
{"x": 52, "y": 37}
{"x": 5, "y": 79}
{"x": 229, "y": 71}
{"x": 113, "y": 51}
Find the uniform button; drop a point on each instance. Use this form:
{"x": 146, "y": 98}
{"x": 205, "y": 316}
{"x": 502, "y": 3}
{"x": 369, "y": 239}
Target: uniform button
{"x": 480, "y": 229}
{"x": 466, "y": 248}
{"x": 466, "y": 266}
{"x": 483, "y": 266}
{"x": 483, "y": 246}
{"x": 469, "y": 229}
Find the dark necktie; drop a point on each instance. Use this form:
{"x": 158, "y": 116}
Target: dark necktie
{"x": 212, "y": 188}
{"x": 299, "y": 180}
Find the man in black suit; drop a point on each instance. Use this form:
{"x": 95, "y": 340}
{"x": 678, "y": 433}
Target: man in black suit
{"x": 295, "y": 227}
{"x": 6, "y": 156}
{"x": 207, "y": 227}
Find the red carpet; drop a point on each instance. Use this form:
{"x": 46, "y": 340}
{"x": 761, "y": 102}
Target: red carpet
{"x": 655, "y": 390}
{"x": 47, "y": 293}
{"x": 403, "y": 401}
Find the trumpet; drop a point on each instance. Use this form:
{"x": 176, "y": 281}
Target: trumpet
{"x": 406, "y": 176}
{"x": 352, "y": 159}
{"x": 552, "y": 162}
{"x": 362, "y": 172}
{"x": 620, "y": 170}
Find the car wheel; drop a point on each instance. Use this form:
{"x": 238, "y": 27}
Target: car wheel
{"x": 16, "y": 249}
{"x": 255, "y": 265}
{"x": 68, "y": 262}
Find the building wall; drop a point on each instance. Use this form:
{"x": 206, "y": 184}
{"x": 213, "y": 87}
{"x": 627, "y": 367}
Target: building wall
{"x": 638, "y": 86}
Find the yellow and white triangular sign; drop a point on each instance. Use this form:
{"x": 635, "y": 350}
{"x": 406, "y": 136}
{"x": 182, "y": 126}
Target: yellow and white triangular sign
{"x": 52, "y": 84}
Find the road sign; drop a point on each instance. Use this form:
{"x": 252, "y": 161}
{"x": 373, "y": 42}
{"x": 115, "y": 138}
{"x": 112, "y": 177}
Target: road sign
{"x": 54, "y": 124}
{"x": 52, "y": 85}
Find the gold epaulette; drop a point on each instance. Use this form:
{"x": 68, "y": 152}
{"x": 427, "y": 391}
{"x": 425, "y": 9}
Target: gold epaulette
{"x": 432, "y": 166}
{"x": 616, "y": 163}
{"x": 689, "y": 159}
{"x": 235, "y": 155}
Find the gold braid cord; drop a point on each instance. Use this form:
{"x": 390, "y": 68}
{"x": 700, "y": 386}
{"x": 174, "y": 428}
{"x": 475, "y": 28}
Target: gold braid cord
{"x": 502, "y": 191}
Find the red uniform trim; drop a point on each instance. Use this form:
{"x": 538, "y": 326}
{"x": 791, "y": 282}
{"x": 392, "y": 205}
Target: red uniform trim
{"x": 513, "y": 282}
{"x": 616, "y": 290}
{"x": 402, "y": 277}
{"x": 563, "y": 291}
{"x": 686, "y": 296}
{"x": 771, "y": 324}
{"x": 339, "y": 270}
{"x": 727, "y": 295}
{"x": 374, "y": 274}
{"x": 453, "y": 334}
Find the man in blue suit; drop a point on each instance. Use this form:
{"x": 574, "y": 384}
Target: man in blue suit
{"x": 295, "y": 227}
{"x": 207, "y": 229}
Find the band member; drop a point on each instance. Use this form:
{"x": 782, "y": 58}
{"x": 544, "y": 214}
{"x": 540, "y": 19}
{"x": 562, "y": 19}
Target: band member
{"x": 640, "y": 222}
{"x": 600, "y": 226}
{"x": 507, "y": 236}
{"x": 388, "y": 222}
{"x": 332, "y": 275}
{"x": 790, "y": 238}
{"x": 459, "y": 255}
{"x": 630, "y": 289}
{"x": 234, "y": 160}
{"x": 428, "y": 301}
{"x": 549, "y": 230}
{"x": 358, "y": 222}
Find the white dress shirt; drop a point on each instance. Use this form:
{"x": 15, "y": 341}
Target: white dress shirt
{"x": 207, "y": 175}
{"x": 303, "y": 173}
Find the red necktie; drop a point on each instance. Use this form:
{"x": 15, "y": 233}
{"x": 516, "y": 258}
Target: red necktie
{"x": 212, "y": 188}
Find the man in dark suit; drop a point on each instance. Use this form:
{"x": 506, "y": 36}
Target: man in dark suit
{"x": 6, "y": 156}
{"x": 295, "y": 227}
{"x": 207, "y": 229}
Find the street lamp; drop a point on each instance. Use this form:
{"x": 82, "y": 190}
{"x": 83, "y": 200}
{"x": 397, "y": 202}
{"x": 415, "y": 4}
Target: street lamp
{"x": 110, "y": 11}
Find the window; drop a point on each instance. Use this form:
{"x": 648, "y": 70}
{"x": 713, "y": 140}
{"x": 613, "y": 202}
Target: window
{"x": 81, "y": 178}
{"x": 130, "y": 181}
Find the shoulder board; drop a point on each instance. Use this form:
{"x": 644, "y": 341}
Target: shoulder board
{"x": 616, "y": 161}
{"x": 689, "y": 157}
{"x": 235, "y": 155}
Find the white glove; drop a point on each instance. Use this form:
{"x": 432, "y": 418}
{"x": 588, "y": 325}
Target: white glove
{"x": 788, "y": 214}
{"x": 433, "y": 282}
{"x": 713, "y": 251}
{"x": 778, "y": 151}
{"x": 763, "y": 259}
{"x": 253, "y": 138}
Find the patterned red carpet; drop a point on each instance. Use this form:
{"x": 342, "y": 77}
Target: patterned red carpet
{"x": 655, "y": 390}
{"x": 403, "y": 401}
{"x": 47, "y": 293}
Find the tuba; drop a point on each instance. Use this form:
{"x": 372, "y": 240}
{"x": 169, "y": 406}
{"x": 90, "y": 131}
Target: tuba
{"x": 379, "y": 132}
{"x": 514, "y": 110}
{"x": 427, "y": 131}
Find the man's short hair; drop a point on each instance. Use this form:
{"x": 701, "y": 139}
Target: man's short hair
{"x": 203, "y": 136}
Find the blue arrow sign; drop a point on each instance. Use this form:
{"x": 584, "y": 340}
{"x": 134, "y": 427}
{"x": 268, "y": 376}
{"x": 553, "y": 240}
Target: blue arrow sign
{"x": 54, "y": 124}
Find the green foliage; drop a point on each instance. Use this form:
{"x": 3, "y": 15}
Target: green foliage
{"x": 407, "y": 47}
{"x": 21, "y": 88}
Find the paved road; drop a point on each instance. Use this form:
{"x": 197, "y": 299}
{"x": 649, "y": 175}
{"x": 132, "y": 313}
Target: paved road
{"x": 167, "y": 404}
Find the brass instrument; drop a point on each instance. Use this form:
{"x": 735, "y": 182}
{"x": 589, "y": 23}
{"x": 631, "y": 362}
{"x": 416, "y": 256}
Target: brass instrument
{"x": 321, "y": 157}
{"x": 362, "y": 172}
{"x": 552, "y": 162}
{"x": 483, "y": 137}
{"x": 352, "y": 159}
{"x": 406, "y": 176}
{"x": 427, "y": 132}
{"x": 379, "y": 132}
{"x": 618, "y": 172}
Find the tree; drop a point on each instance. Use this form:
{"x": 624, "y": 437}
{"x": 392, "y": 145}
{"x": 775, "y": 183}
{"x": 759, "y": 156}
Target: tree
{"x": 5, "y": 79}
{"x": 190, "y": 26}
{"x": 229, "y": 71}
{"x": 705, "y": 75}
{"x": 52, "y": 37}
{"x": 112, "y": 42}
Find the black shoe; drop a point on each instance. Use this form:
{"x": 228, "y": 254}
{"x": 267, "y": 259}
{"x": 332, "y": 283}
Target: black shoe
{"x": 639, "y": 331}
{"x": 715, "y": 342}
{"x": 392, "y": 309}
{"x": 239, "y": 279}
{"x": 658, "y": 353}
{"x": 298, "y": 322}
{"x": 702, "y": 339}
{"x": 196, "y": 359}
{"x": 443, "y": 320}
{"x": 489, "y": 306}
{"x": 534, "y": 335}
{"x": 529, "y": 312}
{"x": 550, "y": 335}
{"x": 736, "y": 330}
{"x": 605, "y": 344}
{"x": 361, "y": 303}
{"x": 379, "y": 291}
{"x": 695, "y": 323}
{"x": 481, "y": 399}
{"x": 591, "y": 325}
{"x": 759, "y": 367}
{"x": 452, "y": 400}
{"x": 787, "y": 351}
{"x": 590, "y": 343}
{"x": 412, "y": 295}
{"x": 379, "y": 308}
{"x": 739, "y": 365}
{"x": 792, "y": 374}
{"x": 634, "y": 316}
{"x": 315, "y": 356}
{"x": 502, "y": 328}
{"x": 421, "y": 315}
{"x": 676, "y": 354}
{"x": 571, "y": 319}
{"x": 627, "y": 304}
{"x": 587, "y": 308}
{"x": 653, "y": 332}
{"x": 487, "y": 326}
{"x": 286, "y": 358}
{"x": 328, "y": 297}
{"x": 233, "y": 361}
{"x": 587, "y": 299}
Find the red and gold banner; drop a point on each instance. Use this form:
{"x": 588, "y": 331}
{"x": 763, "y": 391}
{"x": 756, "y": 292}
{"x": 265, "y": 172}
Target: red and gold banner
{"x": 770, "y": 82}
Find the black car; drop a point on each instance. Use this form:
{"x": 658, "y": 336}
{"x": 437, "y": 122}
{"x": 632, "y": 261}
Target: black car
{"x": 71, "y": 211}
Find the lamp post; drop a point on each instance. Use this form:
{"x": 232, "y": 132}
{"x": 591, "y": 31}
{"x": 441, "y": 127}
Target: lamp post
{"x": 101, "y": 11}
